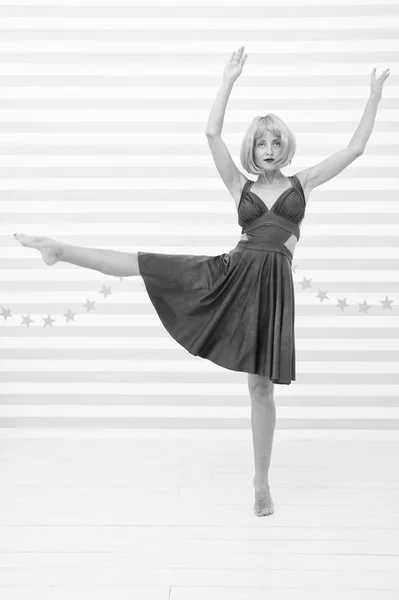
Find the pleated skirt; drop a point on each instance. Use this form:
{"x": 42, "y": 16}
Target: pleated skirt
{"x": 235, "y": 309}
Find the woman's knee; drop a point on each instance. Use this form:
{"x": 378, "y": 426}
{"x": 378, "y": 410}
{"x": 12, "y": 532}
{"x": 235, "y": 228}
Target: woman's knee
{"x": 260, "y": 387}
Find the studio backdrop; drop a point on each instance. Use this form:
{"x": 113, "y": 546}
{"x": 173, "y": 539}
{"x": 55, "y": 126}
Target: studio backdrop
{"x": 103, "y": 111}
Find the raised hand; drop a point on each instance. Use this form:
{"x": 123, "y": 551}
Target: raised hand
{"x": 377, "y": 84}
{"x": 234, "y": 67}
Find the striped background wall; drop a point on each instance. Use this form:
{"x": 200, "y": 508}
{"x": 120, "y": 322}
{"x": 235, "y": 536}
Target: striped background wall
{"x": 102, "y": 118}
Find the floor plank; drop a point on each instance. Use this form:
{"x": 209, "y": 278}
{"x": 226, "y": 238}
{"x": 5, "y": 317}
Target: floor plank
{"x": 171, "y": 519}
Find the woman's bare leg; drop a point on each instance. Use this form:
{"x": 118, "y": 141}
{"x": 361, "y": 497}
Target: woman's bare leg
{"x": 109, "y": 262}
{"x": 263, "y": 422}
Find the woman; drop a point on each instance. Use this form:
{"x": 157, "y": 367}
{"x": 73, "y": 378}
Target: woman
{"x": 237, "y": 309}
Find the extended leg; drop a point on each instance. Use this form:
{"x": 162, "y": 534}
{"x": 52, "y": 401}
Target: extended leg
{"x": 263, "y": 422}
{"x": 109, "y": 262}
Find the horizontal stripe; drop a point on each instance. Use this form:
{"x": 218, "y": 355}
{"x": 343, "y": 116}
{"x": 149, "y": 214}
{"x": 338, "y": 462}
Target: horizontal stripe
{"x": 134, "y": 302}
{"x": 306, "y": 304}
{"x": 207, "y": 70}
{"x": 192, "y": 116}
{"x": 128, "y": 9}
{"x": 112, "y": 317}
{"x": 91, "y": 423}
{"x": 339, "y": 258}
{"x": 97, "y": 325}
{"x": 348, "y": 385}
{"x": 338, "y": 276}
{"x": 60, "y": 399}
{"x": 199, "y": 91}
{"x": 201, "y": 219}
{"x": 93, "y": 318}
{"x": 187, "y": 46}
{"x": 111, "y": 128}
{"x": 39, "y": 369}
{"x": 200, "y": 412}
{"x": 153, "y": 82}
{"x": 382, "y": 56}
{"x": 58, "y": 317}
{"x": 161, "y": 81}
{"x": 88, "y": 287}
{"x": 50, "y": 381}
{"x": 219, "y": 229}
{"x": 189, "y": 142}
{"x": 183, "y": 93}
{"x": 317, "y": 330}
{"x": 306, "y": 382}
{"x": 203, "y": 35}
{"x": 206, "y": 184}
{"x": 222, "y": 209}
{"x": 180, "y": 221}
{"x": 362, "y": 340}
{"x": 221, "y": 434}
{"x": 123, "y": 175}
{"x": 178, "y": 10}
{"x": 215, "y": 201}
{"x": 138, "y": 22}
{"x": 197, "y": 246}
{"x": 177, "y": 3}
{"x": 185, "y": 210}
{"x": 170, "y": 379}
{"x": 196, "y": 161}
{"x": 13, "y": 149}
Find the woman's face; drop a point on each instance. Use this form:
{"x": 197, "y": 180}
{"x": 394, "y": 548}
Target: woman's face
{"x": 268, "y": 146}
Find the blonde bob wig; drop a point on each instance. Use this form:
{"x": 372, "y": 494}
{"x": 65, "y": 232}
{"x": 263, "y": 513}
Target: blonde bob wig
{"x": 255, "y": 131}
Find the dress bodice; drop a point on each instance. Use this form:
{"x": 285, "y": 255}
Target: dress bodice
{"x": 290, "y": 205}
{"x": 276, "y": 228}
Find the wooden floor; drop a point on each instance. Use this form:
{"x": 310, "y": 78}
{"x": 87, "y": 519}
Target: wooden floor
{"x": 163, "y": 515}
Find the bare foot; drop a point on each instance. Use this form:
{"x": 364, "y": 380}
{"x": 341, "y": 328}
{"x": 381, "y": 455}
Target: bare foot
{"x": 51, "y": 250}
{"x": 263, "y": 500}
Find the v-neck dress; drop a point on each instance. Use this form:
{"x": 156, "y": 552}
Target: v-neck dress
{"x": 236, "y": 309}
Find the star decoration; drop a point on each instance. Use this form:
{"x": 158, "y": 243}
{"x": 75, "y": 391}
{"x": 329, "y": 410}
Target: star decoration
{"x": 386, "y": 303}
{"x": 364, "y": 307}
{"x": 48, "y": 321}
{"x": 294, "y": 268}
{"x": 342, "y": 304}
{"x": 89, "y": 305}
{"x": 322, "y": 295}
{"x": 70, "y": 316}
{"x": 5, "y": 312}
{"x": 106, "y": 291}
{"x": 305, "y": 283}
{"x": 26, "y": 321}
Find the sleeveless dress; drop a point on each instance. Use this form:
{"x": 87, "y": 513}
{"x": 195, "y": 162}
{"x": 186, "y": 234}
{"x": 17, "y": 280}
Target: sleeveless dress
{"x": 235, "y": 309}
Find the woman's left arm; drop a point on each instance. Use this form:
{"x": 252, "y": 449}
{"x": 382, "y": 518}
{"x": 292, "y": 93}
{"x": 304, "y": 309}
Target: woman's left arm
{"x": 335, "y": 164}
{"x": 365, "y": 127}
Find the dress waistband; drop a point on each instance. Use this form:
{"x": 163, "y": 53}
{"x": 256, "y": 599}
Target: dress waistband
{"x": 266, "y": 247}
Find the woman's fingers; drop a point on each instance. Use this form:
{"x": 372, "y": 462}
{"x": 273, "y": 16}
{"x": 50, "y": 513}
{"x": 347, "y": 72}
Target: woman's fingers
{"x": 239, "y": 53}
{"x": 384, "y": 73}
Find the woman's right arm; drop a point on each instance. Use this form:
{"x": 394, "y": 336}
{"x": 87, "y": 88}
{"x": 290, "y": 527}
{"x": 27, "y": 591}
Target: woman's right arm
{"x": 232, "y": 177}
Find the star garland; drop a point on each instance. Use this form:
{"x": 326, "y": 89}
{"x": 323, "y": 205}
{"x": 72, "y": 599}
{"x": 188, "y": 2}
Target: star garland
{"x": 106, "y": 291}
{"x": 70, "y": 316}
{"x": 342, "y": 303}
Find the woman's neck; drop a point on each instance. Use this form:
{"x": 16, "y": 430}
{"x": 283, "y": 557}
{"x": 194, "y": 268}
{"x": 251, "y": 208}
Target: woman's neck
{"x": 271, "y": 178}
